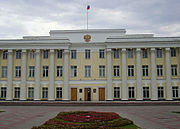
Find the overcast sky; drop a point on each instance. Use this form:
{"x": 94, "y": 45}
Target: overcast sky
{"x": 37, "y": 17}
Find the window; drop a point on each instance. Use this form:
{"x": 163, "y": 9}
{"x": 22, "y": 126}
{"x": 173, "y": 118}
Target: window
{"x": 130, "y": 53}
{"x": 160, "y": 92}
{"x": 59, "y": 71}
{"x": 4, "y": 72}
{"x": 131, "y": 92}
{"x": 18, "y": 54}
{"x": 159, "y": 70}
{"x": 175, "y": 90}
{"x": 116, "y": 71}
{"x": 174, "y": 70}
{"x": 87, "y": 54}
{"x": 30, "y": 92}
{"x": 45, "y": 54}
{"x": 44, "y": 92}
{"x": 116, "y": 92}
{"x": 101, "y": 71}
{"x": 5, "y": 54}
{"x": 16, "y": 92}
{"x": 73, "y": 54}
{"x": 73, "y": 71}
{"x": 159, "y": 53}
{"x": 45, "y": 71}
{"x": 145, "y": 70}
{"x": 59, "y": 54}
{"x": 18, "y": 71}
{"x": 3, "y": 92}
{"x": 130, "y": 70}
{"x": 146, "y": 92}
{"x": 173, "y": 52}
{"x": 87, "y": 71}
{"x": 59, "y": 93}
{"x": 31, "y": 71}
{"x": 144, "y": 53}
{"x": 31, "y": 54}
{"x": 116, "y": 53}
{"x": 101, "y": 53}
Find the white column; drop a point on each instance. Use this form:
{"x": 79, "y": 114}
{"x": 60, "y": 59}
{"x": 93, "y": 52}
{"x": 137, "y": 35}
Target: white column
{"x": 138, "y": 74}
{"x": 124, "y": 75}
{"x": 37, "y": 76}
{"x": 23, "y": 76}
{"x": 51, "y": 78}
{"x": 153, "y": 75}
{"x": 66, "y": 75}
{"x": 9, "y": 88}
{"x": 168, "y": 75}
{"x": 109, "y": 75}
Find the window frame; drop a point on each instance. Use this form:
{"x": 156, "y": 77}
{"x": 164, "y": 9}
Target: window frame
{"x": 59, "y": 54}
{"x": 146, "y": 93}
{"x": 58, "y": 92}
{"x": 101, "y": 53}
{"x": 117, "y": 92}
{"x": 73, "y": 54}
{"x": 116, "y": 53}
{"x": 145, "y": 71}
{"x": 159, "y": 70}
{"x": 174, "y": 70}
{"x": 160, "y": 92}
{"x": 17, "y": 71}
{"x": 131, "y": 92}
{"x": 144, "y": 53}
{"x": 159, "y": 53}
{"x": 44, "y": 92}
{"x": 175, "y": 91}
{"x": 5, "y": 55}
{"x": 31, "y": 71}
{"x": 18, "y": 54}
{"x": 45, "y": 71}
{"x": 101, "y": 70}
{"x": 59, "y": 71}
{"x": 131, "y": 71}
{"x": 130, "y": 53}
{"x": 4, "y": 70}
{"x": 73, "y": 71}
{"x": 87, "y": 54}
{"x": 30, "y": 92}
{"x": 45, "y": 54}
{"x": 116, "y": 70}
{"x": 3, "y": 92}
{"x": 87, "y": 71}
{"x": 17, "y": 92}
{"x": 173, "y": 52}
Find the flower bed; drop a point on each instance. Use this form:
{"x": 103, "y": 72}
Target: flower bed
{"x": 86, "y": 120}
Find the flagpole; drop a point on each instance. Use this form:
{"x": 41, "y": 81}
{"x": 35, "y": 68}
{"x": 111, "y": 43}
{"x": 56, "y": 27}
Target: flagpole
{"x": 87, "y": 19}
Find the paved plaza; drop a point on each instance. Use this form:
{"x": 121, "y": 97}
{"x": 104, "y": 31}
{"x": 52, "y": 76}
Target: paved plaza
{"x": 146, "y": 117}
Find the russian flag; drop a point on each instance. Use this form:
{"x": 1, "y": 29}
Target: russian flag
{"x": 88, "y": 7}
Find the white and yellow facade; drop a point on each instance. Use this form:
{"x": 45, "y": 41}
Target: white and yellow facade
{"x": 112, "y": 65}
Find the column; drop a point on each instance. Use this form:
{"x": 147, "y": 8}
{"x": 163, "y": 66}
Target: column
{"x": 168, "y": 75}
{"x": 153, "y": 75}
{"x": 109, "y": 75}
{"x": 138, "y": 74}
{"x": 124, "y": 75}
{"x": 37, "y": 76}
{"x": 66, "y": 75}
{"x": 23, "y": 76}
{"x": 51, "y": 78}
{"x": 9, "y": 88}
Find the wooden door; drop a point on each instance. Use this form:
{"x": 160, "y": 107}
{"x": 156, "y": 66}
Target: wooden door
{"x": 101, "y": 94}
{"x": 86, "y": 94}
{"x": 73, "y": 94}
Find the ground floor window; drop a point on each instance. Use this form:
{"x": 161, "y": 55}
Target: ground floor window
{"x": 175, "y": 90}
{"x": 44, "y": 92}
{"x": 16, "y": 92}
{"x": 30, "y": 93}
{"x": 131, "y": 92}
{"x": 59, "y": 93}
{"x": 116, "y": 92}
{"x": 146, "y": 92}
{"x": 160, "y": 92}
{"x": 3, "y": 92}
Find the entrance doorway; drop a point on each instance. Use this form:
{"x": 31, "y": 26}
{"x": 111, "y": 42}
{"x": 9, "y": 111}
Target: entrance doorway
{"x": 73, "y": 94}
{"x": 87, "y": 94}
{"x": 101, "y": 94}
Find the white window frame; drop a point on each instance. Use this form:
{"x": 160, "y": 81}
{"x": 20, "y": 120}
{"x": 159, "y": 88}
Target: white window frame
{"x": 130, "y": 53}
{"x": 131, "y": 92}
{"x": 45, "y": 71}
{"x": 144, "y": 53}
{"x": 31, "y": 55}
{"x": 173, "y": 52}
{"x": 5, "y": 55}
{"x": 44, "y": 92}
{"x": 102, "y": 71}
{"x": 59, "y": 72}
{"x": 101, "y": 53}
{"x": 3, "y": 92}
{"x": 174, "y": 70}
{"x": 175, "y": 90}
{"x": 130, "y": 70}
{"x": 17, "y": 71}
{"x": 160, "y": 92}
{"x": 116, "y": 70}
{"x": 31, "y": 71}
{"x": 58, "y": 92}
{"x": 87, "y": 54}
{"x": 18, "y": 54}
{"x": 145, "y": 70}
{"x": 116, "y": 53}
{"x": 16, "y": 92}
{"x": 116, "y": 92}
{"x": 87, "y": 71}
{"x": 4, "y": 71}
{"x": 146, "y": 92}
{"x": 45, "y": 54}
{"x": 160, "y": 70}
{"x": 59, "y": 54}
{"x": 73, "y": 71}
{"x": 73, "y": 54}
{"x": 30, "y": 92}
{"x": 159, "y": 53}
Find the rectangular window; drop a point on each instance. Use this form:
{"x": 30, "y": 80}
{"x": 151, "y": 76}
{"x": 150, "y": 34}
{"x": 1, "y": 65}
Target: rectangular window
{"x": 45, "y": 71}
{"x": 87, "y": 54}
{"x": 174, "y": 70}
{"x": 44, "y": 92}
{"x": 73, "y": 54}
{"x": 145, "y": 70}
{"x": 31, "y": 54}
{"x": 45, "y": 54}
{"x": 4, "y": 72}
{"x": 116, "y": 71}
{"x": 18, "y": 54}
{"x": 116, "y": 92}
{"x": 16, "y": 92}
{"x": 73, "y": 71}
{"x": 130, "y": 53}
{"x": 5, "y": 54}
{"x": 18, "y": 71}
{"x": 144, "y": 53}
{"x": 87, "y": 71}
{"x": 30, "y": 92}
{"x": 59, "y": 93}
{"x": 130, "y": 70}
{"x": 101, "y": 53}
{"x": 59, "y": 54}
{"x": 3, "y": 92}
{"x": 159, "y": 53}
{"x": 116, "y": 53}
{"x": 160, "y": 92}
{"x": 131, "y": 92}
{"x": 159, "y": 70}
{"x": 175, "y": 90}
{"x": 59, "y": 71}
{"x": 173, "y": 52}
{"x": 101, "y": 71}
{"x": 31, "y": 71}
{"x": 146, "y": 92}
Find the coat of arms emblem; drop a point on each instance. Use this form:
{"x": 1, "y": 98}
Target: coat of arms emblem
{"x": 87, "y": 38}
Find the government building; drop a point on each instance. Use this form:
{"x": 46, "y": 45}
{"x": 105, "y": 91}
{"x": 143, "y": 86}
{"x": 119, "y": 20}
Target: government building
{"x": 90, "y": 65}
